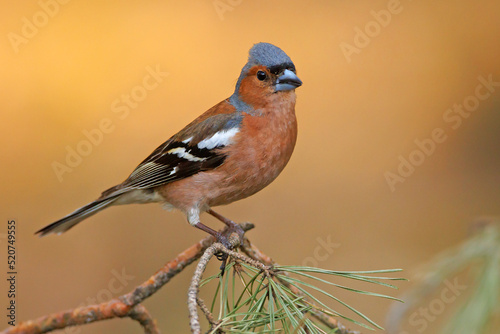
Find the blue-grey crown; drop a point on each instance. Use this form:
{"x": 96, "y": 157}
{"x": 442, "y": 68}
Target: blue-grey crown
{"x": 267, "y": 54}
{"x": 260, "y": 54}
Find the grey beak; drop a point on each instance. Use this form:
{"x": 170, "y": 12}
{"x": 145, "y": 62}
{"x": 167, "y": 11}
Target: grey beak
{"x": 288, "y": 81}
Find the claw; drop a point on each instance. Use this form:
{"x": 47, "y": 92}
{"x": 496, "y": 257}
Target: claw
{"x": 220, "y": 255}
{"x": 223, "y": 260}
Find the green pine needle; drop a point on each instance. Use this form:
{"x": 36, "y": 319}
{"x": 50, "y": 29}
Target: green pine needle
{"x": 251, "y": 301}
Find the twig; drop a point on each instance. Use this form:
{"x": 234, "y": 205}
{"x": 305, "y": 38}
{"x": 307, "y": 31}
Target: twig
{"x": 194, "y": 322}
{"x": 124, "y": 306}
{"x": 332, "y": 323}
{"x": 141, "y": 314}
{"x": 206, "y": 311}
{"x": 200, "y": 269}
{"x": 84, "y": 315}
{"x": 253, "y": 262}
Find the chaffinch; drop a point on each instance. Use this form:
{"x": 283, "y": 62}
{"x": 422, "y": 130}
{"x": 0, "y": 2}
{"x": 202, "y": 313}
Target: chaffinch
{"x": 230, "y": 152}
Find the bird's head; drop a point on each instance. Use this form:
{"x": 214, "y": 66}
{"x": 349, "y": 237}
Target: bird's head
{"x": 268, "y": 71}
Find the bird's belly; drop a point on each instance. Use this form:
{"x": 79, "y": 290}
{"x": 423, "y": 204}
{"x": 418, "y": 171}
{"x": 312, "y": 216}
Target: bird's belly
{"x": 255, "y": 165}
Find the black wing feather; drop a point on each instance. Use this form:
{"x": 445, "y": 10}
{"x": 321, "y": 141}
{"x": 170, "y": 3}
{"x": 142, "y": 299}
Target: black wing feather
{"x": 162, "y": 166}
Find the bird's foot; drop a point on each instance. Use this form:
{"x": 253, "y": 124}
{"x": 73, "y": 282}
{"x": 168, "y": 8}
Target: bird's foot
{"x": 236, "y": 228}
{"x": 224, "y": 240}
{"x": 232, "y": 226}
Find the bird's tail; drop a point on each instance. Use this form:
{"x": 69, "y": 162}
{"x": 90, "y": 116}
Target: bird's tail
{"x": 67, "y": 222}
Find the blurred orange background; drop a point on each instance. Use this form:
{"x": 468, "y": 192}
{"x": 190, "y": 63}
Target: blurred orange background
{"x": 359, "y": 112}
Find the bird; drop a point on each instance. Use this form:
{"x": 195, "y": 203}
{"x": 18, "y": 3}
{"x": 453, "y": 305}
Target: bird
{"x": 228, "y": 153}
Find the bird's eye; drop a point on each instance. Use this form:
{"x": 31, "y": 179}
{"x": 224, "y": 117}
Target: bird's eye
{"x": 261, "y": 75}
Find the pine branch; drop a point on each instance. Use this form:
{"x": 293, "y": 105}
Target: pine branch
{"x": 276, "y": 288}
{"x": 258, "y": 260}
{"x": 193, "y": 298}
{"x": 127, "y": 305}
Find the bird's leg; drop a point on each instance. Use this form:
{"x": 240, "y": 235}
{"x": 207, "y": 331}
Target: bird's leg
{"x": 233, "y": 227}
{"x": 219, "y": 238}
